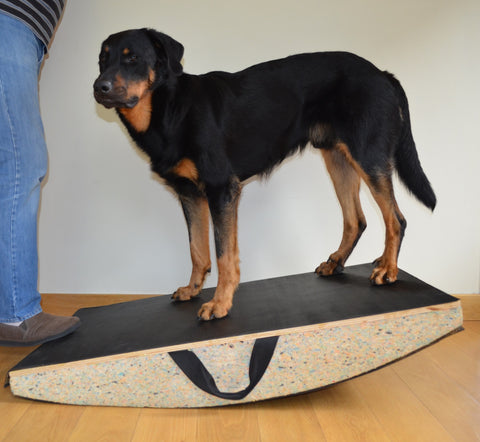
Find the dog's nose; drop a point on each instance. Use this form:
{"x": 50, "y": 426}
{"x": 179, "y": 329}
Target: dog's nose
{"x": 103, "y": 86}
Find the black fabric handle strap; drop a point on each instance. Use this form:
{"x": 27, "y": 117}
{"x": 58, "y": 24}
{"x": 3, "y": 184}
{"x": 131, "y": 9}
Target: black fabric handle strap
{"x": 193, "y": 368}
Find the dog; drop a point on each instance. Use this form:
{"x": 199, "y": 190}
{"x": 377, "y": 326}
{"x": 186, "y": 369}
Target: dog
{"x": 206, "y": 134}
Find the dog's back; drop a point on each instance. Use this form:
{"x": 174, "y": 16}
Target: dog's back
{"x": 273, "y": 109}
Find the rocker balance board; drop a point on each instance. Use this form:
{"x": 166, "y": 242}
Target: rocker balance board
{"x": 283, "y": 336}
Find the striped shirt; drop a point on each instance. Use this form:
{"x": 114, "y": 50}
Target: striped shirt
{"x": 41, "y": 16}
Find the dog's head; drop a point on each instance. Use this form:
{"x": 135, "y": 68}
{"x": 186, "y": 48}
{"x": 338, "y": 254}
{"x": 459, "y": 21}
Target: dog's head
{"x": 133, "y": 63}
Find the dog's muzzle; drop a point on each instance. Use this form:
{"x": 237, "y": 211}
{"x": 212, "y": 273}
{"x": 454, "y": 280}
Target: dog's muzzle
{"x": 110, "y": 96}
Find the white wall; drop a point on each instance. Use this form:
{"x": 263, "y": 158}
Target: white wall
{"x": 108, "y": 226}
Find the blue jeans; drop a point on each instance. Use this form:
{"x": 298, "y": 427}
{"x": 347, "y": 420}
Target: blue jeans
{"x": 23, "y": 164}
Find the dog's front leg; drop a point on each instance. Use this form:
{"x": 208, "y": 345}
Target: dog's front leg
{"x": 195, "y": 209}
{"x": 223, "y": 204}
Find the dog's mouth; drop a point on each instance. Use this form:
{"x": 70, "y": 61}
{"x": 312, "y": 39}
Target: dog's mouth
{"x": 110, "y": 101}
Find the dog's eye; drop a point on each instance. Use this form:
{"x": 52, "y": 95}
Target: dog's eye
{"x": 131, "y": 58}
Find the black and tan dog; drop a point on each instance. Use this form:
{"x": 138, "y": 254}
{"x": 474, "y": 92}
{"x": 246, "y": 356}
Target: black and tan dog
{"x": 206, "y": 134}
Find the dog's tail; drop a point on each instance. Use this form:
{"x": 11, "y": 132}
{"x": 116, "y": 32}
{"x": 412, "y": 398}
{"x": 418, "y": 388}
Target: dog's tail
{"x": 407, "y": 162}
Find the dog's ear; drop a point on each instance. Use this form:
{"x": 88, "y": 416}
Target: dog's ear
{"x": 168, "y": 47}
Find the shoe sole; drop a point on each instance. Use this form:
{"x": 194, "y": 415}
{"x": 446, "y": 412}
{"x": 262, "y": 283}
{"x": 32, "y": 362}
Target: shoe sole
{"x": 41, "y": 341}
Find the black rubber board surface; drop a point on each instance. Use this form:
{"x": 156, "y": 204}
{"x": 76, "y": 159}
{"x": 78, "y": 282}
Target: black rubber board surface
{"x": 259, "y": 306}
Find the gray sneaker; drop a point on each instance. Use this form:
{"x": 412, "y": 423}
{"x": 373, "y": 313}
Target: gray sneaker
{"x": 38, "y": 329}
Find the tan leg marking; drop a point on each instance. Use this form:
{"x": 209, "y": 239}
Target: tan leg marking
{"x": 228, "y": 265}
{"x": 386, "y": 269}
{"x": 198, "y": 225}
{"x": 346, "y": 182}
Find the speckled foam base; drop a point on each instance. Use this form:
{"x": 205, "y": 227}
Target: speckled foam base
{"x": 305, "y": 359}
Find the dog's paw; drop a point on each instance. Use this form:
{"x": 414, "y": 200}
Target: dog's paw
{"x": 383, "y": 273}
{"x": 328, "y": 268}
{"x": 212, "y": 310}
{"x": 185, "y": 293}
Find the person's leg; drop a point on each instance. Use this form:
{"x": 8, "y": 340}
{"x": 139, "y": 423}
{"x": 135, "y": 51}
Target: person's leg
{"x": 23, "y": 164}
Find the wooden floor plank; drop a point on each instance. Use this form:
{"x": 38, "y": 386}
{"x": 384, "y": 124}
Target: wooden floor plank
{"x": 471, "y": 307}
{"x": 237, "y": 423}
{"x": 469, "y": 339}
{"x": 11, "y": 408}
{"x": 289, "y": 419}
{"x": 401, "y": 414}
{"x": 345, "y": 416}
{"x": 106, "y": 424}
{"x": 11, "y": 411}
{"x": 45, "y": 422}
{"x": 166, "y": 425}
{"x": 473, "y": 326}
{"x": 459, "y": 357}
{"x": 453, "y": 406}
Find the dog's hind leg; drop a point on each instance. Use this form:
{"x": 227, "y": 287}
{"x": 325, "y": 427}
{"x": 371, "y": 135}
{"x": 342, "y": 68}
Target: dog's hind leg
{"x": 346, "y": 182}
{"x": 386, "y": 270}
{"x": 223, "y": 204}
{"x": 197, "y": 215}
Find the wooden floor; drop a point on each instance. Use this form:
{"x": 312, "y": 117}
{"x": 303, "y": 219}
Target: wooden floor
{"x": 433, "y": 395}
